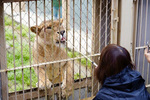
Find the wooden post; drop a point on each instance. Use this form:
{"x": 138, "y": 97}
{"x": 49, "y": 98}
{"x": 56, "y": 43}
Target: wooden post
{"x": 95, "y": 39}
{"x": 3, "y": 64}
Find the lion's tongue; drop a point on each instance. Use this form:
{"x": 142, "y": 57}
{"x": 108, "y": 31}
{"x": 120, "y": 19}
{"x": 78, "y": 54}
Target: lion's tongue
{"x": 63, "y": 39}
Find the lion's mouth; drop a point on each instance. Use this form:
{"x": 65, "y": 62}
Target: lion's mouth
{"x": 62, "y": 40}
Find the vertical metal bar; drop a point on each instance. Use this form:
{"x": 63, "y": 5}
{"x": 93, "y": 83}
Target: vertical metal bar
{"x": 52, "y": 48}
{"x": 80, "y": 49}
{"x": 21, "y": 48}
{"x": 30, "y": 48}
{"x": 136, "y": 20}
{"x": 13, "y": 49}
{"x": 67, "y": 43}
{"x": 111, "y": 20}
{"x": 37, "y": 47}
{"x": 86, "y": 47}
{"x": 97, "y": 27}
{"x": 140, "y": 36}
{"x": 114, "y": 22}
{"x": 106, "y": 23}
{"x": 96, "y": 42}
{"x": 3, "y": 59}
{"x": 145, "y": 42}
{"x": 100, "y": 21}
{"x": 59, "y": 55}
{"x": 93, "y": 44}
{"x": 44, "y": 52}
{"x": 145, "y": 37}
{"x": 73, "y": 45}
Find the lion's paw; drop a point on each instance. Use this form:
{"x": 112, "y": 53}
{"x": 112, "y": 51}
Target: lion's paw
{"x": 42, "y": 84}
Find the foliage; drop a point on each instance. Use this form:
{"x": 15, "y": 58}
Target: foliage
{"x": 84, "y": 61}
{"x": 20, "y": 75}
{"x": 8, "y": 21}
{"x": 14, "y": 58}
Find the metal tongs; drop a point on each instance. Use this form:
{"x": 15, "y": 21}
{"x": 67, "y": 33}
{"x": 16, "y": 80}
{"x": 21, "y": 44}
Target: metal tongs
{"x": 148, "y": 47}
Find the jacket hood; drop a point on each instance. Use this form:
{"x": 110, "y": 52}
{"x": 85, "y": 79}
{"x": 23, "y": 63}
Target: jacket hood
{"x": 126, "y": 85}
{"x": 127, "y": 80}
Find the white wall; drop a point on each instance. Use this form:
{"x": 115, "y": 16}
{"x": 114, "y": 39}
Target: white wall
{"x": 126, "y": 24}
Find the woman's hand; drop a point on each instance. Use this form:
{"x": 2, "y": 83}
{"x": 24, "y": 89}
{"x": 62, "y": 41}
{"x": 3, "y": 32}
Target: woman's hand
{"x": 147, "y": 54}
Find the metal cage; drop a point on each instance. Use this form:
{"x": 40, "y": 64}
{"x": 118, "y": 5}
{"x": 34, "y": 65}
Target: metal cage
{"x": 89, "y": 26}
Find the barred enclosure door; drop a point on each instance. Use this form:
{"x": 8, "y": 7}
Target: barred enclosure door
{"x": 142, "y": 38}
{"x": 36, "y": 46}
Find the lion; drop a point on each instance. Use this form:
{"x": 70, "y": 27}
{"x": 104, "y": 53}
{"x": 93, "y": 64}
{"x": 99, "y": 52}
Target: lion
{"x": 49, "y": 46}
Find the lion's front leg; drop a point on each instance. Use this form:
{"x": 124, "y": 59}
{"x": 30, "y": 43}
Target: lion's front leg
{"x": 63, "y": 86}
{"x": 67, "y": 80}
{"x": 43, "y": 81}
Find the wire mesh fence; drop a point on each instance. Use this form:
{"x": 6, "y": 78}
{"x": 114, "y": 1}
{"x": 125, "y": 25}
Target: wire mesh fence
{"x": 46, "y": 54}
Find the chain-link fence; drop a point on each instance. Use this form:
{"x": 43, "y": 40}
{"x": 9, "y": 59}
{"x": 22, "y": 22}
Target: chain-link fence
{"x": 47, "y": 47}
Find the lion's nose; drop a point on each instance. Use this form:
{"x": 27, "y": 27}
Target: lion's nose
{"x": 62, "y": 32}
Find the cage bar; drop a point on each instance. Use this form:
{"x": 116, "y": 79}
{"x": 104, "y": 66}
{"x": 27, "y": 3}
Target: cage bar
{"x": 102, "y": 18}
{"x": 13, "y": 49}
{"x": 21, "y": 47}
{"x": 59, "y": 55}
{"x": 66, "y": 43}
{"x": 73, "y": 46}
{"x": 95, "y": 39}
{"x": 3, "y": 65}
{"x": 106, "y": 23}
{"x": 29, "y": 47}
{"x": 80, "y": 49}
{"x": 114, "y": 21}
{"x": 86, "y": 47}
{"x": 145, "y": 38}
{"x": 139, "y": 44}
{"x": 37, "y": 48}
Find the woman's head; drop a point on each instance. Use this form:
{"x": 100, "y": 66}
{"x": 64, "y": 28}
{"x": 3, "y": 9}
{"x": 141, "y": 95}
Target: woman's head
{"x": 113, "y": 59}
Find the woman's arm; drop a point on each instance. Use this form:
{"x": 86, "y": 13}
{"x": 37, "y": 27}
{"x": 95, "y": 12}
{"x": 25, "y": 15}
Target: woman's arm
{"x": 147, "y": 55}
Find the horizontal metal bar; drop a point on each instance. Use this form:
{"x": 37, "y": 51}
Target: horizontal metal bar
{"x": 7, "y": 1}
{"x": 77, "y": 84}
{"x": 40, "y": 64}
{"x": 142, "y": 47}
{"x": 148, "y": 85}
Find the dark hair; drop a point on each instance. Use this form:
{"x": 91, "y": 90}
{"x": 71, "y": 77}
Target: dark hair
{"x": 113, "y": 59}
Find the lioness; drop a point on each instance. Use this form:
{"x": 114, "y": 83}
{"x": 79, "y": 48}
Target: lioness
{"x": 47, "y": 49}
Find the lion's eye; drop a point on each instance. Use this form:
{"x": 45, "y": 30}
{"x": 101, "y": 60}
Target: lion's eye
{"x": 48, "y": 27}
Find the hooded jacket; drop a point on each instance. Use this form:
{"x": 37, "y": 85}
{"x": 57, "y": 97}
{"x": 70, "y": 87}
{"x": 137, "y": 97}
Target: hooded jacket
{"x": 126, "y": 85}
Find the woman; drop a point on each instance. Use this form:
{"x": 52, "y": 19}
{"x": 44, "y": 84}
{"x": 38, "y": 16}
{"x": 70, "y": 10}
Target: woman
{"x": 118, "y": 77}
{"x": 147, "y": 55}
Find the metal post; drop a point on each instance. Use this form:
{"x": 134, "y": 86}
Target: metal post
{"x": 114, "y": 21}
{"x": 96, "y": 20}
{"x": 3, "y": 65}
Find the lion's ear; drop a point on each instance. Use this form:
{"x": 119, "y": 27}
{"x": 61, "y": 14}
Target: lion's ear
{"x": 35, "y": 29}
{"x": 61, "y": 20}
{"x": 57, "y": 21}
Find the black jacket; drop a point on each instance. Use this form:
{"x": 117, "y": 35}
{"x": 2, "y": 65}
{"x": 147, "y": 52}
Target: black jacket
{"x": 126, "y": 85}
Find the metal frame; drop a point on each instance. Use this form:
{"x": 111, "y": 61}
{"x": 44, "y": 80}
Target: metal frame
{"x": 3, "y": 60}
{"x": 87, "y": 82}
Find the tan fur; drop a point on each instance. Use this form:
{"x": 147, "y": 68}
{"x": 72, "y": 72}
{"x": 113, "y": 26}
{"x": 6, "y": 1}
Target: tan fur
{"x": 47, "y": 50}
